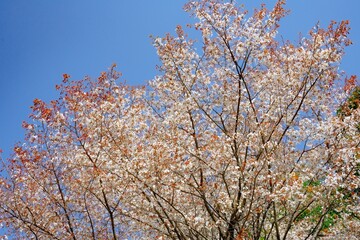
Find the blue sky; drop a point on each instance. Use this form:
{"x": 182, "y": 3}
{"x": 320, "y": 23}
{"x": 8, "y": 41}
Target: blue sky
{"x": 41, "y": 39}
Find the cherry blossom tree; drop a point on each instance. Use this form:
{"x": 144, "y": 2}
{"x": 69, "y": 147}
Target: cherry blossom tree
{"x": 237, "y": 138}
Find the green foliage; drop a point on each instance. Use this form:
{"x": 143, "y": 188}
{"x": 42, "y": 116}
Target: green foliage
{"x": 315, "y": 213}
{"x": 352, "y": 103}
{"x": 330, "y": 219}
{"x": 311, "y": 183}
{"x": 354, "y": 99}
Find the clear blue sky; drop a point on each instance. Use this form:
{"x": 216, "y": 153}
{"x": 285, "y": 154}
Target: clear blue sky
{"x": 42, "y": 39}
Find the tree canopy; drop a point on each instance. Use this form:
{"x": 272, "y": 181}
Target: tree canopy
{"x": 238, "y": 137}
